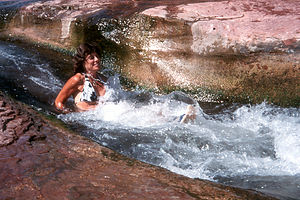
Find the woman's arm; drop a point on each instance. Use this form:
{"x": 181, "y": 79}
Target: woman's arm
{"x": 69, "y": 88}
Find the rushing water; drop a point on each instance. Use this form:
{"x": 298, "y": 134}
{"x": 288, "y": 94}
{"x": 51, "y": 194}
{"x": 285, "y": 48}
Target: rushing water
{"x": 254, "y": 147}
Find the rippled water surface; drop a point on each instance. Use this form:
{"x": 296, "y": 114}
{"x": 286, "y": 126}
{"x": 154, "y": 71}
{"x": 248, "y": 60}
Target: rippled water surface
{"x": 255, "y": 147}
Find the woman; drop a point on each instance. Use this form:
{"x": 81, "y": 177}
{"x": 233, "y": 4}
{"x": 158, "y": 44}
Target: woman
{"x": 86, "y": 85}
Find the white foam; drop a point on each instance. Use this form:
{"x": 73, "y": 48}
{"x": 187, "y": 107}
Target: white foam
{"x": 259, "y": 140}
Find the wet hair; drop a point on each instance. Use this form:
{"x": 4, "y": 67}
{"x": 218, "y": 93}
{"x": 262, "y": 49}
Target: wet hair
{"x": 82, "y": 52}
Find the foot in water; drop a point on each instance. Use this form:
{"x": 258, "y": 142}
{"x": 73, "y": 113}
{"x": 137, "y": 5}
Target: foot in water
{"x": 190, "y": 114}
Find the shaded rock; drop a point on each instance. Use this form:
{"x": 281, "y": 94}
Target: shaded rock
{"x": 48, "y": 162}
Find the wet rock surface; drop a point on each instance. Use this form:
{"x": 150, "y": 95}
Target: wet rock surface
{"x": 41, "y": 161}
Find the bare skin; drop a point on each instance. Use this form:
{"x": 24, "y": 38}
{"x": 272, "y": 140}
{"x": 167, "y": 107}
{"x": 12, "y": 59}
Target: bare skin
{"x": 74, "y": 86}
{"x": 190, "y": 114}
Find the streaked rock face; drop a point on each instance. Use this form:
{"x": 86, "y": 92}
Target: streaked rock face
{"x": 240, "y": 49}
{"x": 238, "y": 26}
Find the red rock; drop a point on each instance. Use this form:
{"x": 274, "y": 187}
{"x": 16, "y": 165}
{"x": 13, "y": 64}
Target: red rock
{"x": 290, "y": 42}
{"x": 7, "y": 137}
{"x": 219, "y": 27}
{"x": 58, "y": 164}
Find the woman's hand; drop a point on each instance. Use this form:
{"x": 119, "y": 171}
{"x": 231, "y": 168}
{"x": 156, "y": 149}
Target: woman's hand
{"x": 64, "y": 110}
{"x": 67, "y": 110}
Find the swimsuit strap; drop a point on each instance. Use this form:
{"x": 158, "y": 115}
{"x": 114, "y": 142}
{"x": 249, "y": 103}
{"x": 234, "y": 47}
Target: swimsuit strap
{"x": 88, "y": 94}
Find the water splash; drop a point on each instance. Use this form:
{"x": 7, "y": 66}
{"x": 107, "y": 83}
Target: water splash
{"x": 133, "y": 109}
{"x": 256, "y": 147}
{"x": 253, "y": 141}
{"x": 257, "y": 140}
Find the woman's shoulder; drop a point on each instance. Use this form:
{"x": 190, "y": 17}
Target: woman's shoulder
{"x": 78, "y": 77}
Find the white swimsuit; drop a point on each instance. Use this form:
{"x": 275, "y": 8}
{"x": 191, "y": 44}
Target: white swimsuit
{"x": 88, "y": 93}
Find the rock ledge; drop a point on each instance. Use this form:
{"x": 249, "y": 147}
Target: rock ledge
{"x": 41, "y": 161}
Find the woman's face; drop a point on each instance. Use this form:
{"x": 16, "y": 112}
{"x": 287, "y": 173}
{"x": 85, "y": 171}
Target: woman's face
{"x": 92, "y": 63}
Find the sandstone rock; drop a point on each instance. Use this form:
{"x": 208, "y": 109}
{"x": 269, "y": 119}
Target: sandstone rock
{"x": 13, "y": 125}
{"x": 48, "y": 162}
{"x": 240, "y": 50}
{"x": 238, "y": 26}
